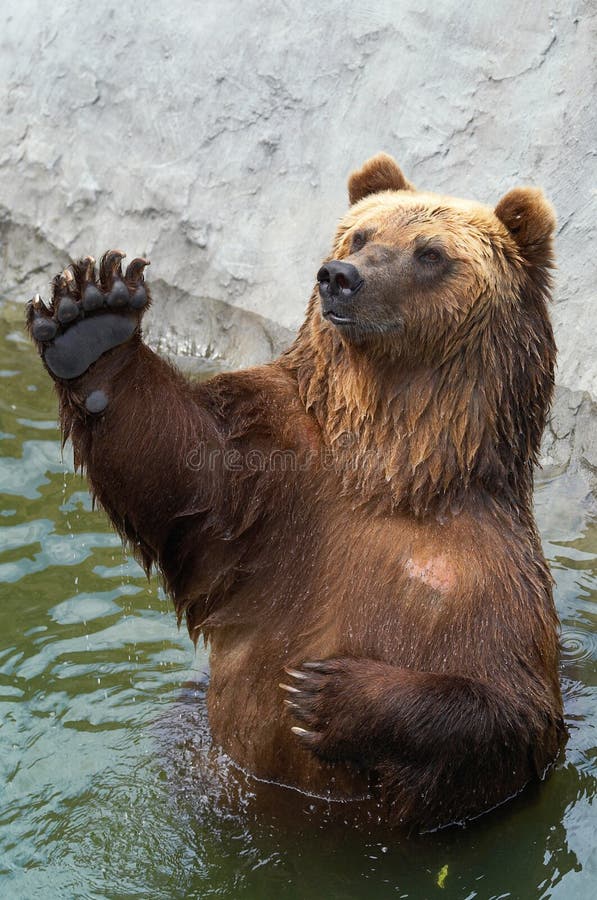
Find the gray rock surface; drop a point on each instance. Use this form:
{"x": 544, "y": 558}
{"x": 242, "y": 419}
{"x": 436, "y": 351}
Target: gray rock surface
{"x": 216, "y": 138}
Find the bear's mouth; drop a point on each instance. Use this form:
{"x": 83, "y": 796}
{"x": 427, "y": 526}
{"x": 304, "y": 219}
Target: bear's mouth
{"x": 336, "y": 319}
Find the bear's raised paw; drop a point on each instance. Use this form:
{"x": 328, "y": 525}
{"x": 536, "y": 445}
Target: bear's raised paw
{"x": 88, "y": 316}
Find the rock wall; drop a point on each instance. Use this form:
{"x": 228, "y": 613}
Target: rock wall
{"x": 216, "y": 138}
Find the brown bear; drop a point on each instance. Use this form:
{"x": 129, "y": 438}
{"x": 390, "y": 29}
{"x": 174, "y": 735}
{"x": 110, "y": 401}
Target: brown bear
{"x": 350, "y": 527}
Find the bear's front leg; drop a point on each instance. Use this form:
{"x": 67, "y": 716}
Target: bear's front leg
{"x": 440, "y": 747}
{"x": 132, "y": 418}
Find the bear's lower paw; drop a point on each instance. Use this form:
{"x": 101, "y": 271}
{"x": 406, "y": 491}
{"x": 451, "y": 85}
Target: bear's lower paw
{"x": 88, "y": 316}
{"x": 321, "y": 698}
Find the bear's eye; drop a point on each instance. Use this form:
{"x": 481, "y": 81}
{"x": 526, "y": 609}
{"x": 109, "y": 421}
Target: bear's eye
{"x": 431, "y": 255}
{"x": 359, "y": 239}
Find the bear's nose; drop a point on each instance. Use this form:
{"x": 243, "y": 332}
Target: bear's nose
{"x": 339, "y": 279}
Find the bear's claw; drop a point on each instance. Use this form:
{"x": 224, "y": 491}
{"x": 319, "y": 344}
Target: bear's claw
{"x": 86, "y": 316}
{"x": 314, "y": 702}
{"x": 134, "y": 270}
{"x": 309, "y": 738}
{"x": 302, "y": 701}
{"x": 111, "y": 266}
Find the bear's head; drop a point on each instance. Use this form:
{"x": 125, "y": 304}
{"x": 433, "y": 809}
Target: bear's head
{"x": 427, "y": 354}
{"x": 419, "y": 275}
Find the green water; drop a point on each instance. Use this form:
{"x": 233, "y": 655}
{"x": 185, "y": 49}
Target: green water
{"x": 100, "y": 791}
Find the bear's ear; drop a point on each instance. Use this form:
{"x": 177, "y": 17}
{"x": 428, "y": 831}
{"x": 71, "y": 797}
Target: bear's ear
{"x": 380, "y": 173}
{"x": 531, "y": 220}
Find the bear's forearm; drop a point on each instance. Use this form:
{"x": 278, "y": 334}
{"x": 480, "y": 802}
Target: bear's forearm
{"x": 457, "y": 746}
{"x": 432, "y": 716}
{"x": 426, "y": 734}
{"x": 447, "y": 718}
{"x": 136, "y": 449}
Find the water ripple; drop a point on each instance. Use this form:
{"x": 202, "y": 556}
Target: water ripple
{"x": 578, "y": 645}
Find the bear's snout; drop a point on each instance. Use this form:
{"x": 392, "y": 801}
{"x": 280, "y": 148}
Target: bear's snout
{"x": 338, "y": 280}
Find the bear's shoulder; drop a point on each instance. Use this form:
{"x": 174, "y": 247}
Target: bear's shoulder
{"x": 262, "y": 403}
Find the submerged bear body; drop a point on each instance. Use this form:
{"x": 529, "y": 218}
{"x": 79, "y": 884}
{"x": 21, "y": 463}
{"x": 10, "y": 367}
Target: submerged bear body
{"x": 351, "y": 528}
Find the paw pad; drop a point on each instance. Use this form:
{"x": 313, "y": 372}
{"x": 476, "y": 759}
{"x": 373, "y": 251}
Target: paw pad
{"x": 88, "y": 316}
{"x": 119, "y": 295}
{"x": 68, "y": 310}
{"x": 92, "y": 298}
{"x": 96, "y": 402}
{"x": 43, "y": 329}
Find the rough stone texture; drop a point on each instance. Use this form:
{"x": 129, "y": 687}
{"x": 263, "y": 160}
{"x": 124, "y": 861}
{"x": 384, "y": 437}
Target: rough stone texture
{"x": 570, "y": 439}
{"x": 216, "y": 138}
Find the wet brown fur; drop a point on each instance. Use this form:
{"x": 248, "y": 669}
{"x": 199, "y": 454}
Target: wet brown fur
{"x": 399, "y": 545}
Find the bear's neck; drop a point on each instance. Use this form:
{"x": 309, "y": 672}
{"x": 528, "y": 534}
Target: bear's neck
{"x": 417, "y": 440}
